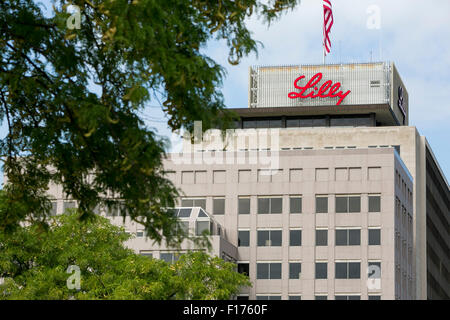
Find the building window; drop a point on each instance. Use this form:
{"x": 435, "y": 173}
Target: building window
{"x": 268, "y": 297}
{"x": 140, "y": 233}
{"x": 69, "y": 205}
{"x": 373, "y": 297}
{"x": 321, "y": 270}
{"x": 200, "y": 202}
{"x": 244, "y": 205}
{"x": 374, "y": 203}
{"x": 321, "y": 237}
{"x": 295, "y": 205}
{"x": 269, "y": 238}
{"x": 242, "y": 298}
{"x": 320, "y": 297}
{"x": 169, "y": 257}
{"x": 219, "y": 206}
{"x": 321, "y": 204}
{"x": 374, "y": 270}
{"x": 348, "y": 204}
{"x": 374, "y": 237}
{"x": 243, "y": 238}
{"x": 340, "y": 297}
{"x": 146, "y": 254}
{"x": 295, "y": 298}
{"x": 183, "y": 228}
{"x": 202, "y": 227}
{"x": 295, "y": 269}
{"x": 348, "y": 270}
{"x": 270, "y": 205}
{"x": 54, "y": 208}
{"x": 350, "y": 237}
{"x": 268, "y": 271}
{"x": 295, "y": 238}
{"x": 244, "y": 268}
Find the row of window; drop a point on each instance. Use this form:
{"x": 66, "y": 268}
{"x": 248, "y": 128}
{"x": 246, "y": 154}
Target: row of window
{"x": 274, "y": 205}
{"x": 281, "y": 175}
{"x": 343, "y": 270}
{"x": 343, "y": 237}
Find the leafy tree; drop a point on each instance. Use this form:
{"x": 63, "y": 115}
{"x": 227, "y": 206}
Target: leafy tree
{"x": 73, "y": 98}
{"x": 34, "y": 263}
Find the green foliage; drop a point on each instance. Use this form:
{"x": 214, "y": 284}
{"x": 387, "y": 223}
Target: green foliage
{"x": 71, "y": 98}
{"x": 34, "y": 263}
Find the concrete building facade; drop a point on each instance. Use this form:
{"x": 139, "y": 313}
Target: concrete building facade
{"x": 322, "y": 191}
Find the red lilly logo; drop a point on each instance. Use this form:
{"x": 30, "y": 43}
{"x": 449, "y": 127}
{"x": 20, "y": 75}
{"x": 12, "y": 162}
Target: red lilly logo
{"x": 327, "y": 90}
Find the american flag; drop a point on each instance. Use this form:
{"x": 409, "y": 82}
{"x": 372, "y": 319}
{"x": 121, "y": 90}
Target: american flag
{"x": 327, "y": 24}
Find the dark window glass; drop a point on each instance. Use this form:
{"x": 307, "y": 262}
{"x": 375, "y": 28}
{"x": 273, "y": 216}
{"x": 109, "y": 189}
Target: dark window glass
{"x": 321, "y": 270}
{"x": 341, "y": 237}
{"x": 54, "y": 209}
{"x": 295, "y": 298}
{"x": 276, "y": 123}
{"x": 295, "y": 270}
{"x": 305, "y": 122}
{"x": 242, "y": 298}
{"x": 354, "y": 237}
{"x": 295, "y": 205}
{"x": 276, "y": 205}
{"x": 243, "y": 268}
{"x": 321, "y": 204}
{"x": 340, "y": 297}
{"x": 262, "y": 297}
{"x": 275, "y": 271}
{"x": 341, "y": 204}
{"x": 374, "y": 203}
{"x": 203, "y": 227}
{"x": 341, "y": 270}
{"x": 184, "y": 213}
{"x": 275, "y": 238}
{"x": 243, "y": 238}
{"x": 374, "y": 237}
{"x": 354, "y": 297}
{"x": 262, "y": 271}
{"x": 218, "y": 206}
{"x": 244, "y": 206}
{"x": 354, "y": 270}
{"x": 295, "y": 238}
{"x": 319, "y": 122}
{"x": 262, "y": 123}
{"x": 274, "y": 297}
{"x": 321, "y": 298}
{"x": 187, "y": 203}
{"x": 342, "y": 122}
{"x": 263, "y": 238}
{"x": 263, "y": 205}
{"x": 202, "y": 213}
{"x": 374, "y": 297}
{"x": 200, "y": 203}
{"x": 248, "y": 124}
{"x": 321, "y": 237}
{"x": 354, "y": 204}
{"x": 167, "y": 257}
{"x": 292, "y": 123}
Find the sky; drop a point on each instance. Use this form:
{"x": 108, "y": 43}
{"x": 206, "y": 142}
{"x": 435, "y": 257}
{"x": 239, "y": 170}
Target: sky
{"x": 414, "y": 34}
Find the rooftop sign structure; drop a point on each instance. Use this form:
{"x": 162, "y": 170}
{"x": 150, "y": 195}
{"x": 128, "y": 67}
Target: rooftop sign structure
{"x": 332, "y": 89}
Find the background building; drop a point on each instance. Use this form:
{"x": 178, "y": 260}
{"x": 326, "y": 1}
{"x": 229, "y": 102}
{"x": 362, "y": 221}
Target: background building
{"x": 323, "y": 190}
